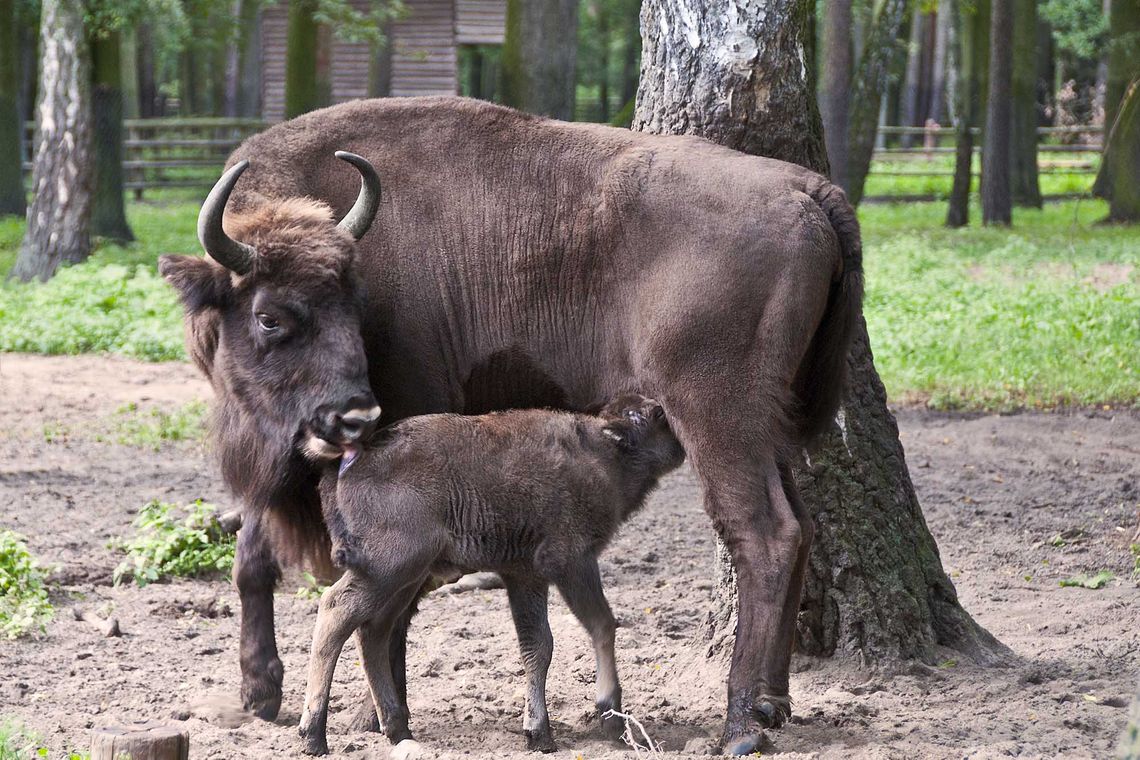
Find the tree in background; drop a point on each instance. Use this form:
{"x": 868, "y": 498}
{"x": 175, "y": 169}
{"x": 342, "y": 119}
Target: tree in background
{"x": 1118, "y": 181}
{"x": 969, "y": 53}
{"x": 12, "y": 199}
{"x": 883, "y": 56}
{"x": 835, "y": 85}
{"x": 108, "y": 215}
{"x": 1123, "y": 55}
{"x": 996, "y": 200}
{"x": 58, "y": 230}
{"x": 876, "y": 589}
{"x": 1024, "y": 184}
{"x": 302, "y": 90}
{"x": 540, "y": 55}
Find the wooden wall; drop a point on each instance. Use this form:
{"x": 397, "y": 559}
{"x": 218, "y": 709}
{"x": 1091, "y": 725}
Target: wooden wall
{"x": 424, "y": 60}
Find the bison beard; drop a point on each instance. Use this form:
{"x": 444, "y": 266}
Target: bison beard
{"x": 520, "y": 261}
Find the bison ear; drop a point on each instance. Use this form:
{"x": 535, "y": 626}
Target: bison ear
{"x": 200, "y": 283}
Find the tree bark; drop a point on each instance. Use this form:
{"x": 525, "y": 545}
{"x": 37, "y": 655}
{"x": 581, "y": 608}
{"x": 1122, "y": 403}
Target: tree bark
{"x": 1024, "y": 184}
{"x": 962, "y": 97}
{"x": 1123, "y": 55}
{"x": 539, "y": 56}
{"x": 912, "y": 79}
{"x": 59, "y": 216}
{"x": 108, "y": 214}
{"x": 603, "y": 60}
{"x": 12, "y": 199}
{"x": 940, "y": 62}
{"x": 876, "y": 587}
{"x": 249, "y": 59}
{"x": 835, "y": 85}
{"x": 301, "y": 87}
{"x": 148, "y": 89}
{"x": 380, "y": 65}
{"x": 881, "y": 62}
{"x": 996, "y": 200}
{"x": 1119, "y": 168}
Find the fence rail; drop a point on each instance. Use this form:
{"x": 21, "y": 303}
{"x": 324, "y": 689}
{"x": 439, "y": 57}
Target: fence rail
{"x": 190, "y": 152}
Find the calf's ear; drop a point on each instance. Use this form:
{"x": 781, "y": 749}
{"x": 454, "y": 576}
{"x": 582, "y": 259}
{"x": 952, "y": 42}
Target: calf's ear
{"x": 621, "y": 433}
{"x": 201, "y": 284}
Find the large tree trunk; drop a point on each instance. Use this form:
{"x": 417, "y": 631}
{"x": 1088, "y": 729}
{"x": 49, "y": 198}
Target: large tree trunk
{"x": 1123, "y": 55}
{"x": 835, "y": 85}
{"x": 108, "y": 215}
{"x": 996, "y": 201}
{"x": 1120, "y": 167}
{"x": 301, "y": 87}
{"x": 876, "y": 587}
{"x": 12, "y": 199}
{"x": 58, "y": 220}
{"x": 1024, "y": 183}
{"x": 539, "y": 56}
{"x": 879, "y": 65}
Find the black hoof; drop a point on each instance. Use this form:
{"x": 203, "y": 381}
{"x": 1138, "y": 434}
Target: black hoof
{"x": 744, "y": 745}
{"x": 540, "y": 741}
{"x": 613, "y": 726}
{"x": 313, "y": 743}
{"x": 261, "y": 694}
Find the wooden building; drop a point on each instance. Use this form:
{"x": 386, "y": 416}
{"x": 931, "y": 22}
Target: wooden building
{"x": 423, "y": 52}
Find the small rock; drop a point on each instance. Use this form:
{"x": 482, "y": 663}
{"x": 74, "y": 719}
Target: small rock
{"x": 410, "y": 749}
{"x": 700, "y": 745}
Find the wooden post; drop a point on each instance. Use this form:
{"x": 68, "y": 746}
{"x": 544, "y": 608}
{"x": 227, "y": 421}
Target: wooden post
{"x": 147, "y": 740}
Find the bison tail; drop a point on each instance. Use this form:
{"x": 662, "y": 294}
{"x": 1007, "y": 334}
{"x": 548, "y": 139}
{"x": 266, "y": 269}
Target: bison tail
{"x": 822, "y": 376}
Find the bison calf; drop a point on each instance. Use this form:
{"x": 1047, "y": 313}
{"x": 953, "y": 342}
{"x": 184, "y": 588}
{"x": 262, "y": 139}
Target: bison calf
{"x": 532, "y": 495}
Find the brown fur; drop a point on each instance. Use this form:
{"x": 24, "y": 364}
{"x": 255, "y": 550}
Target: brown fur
{"x": 520, "y": 261}
{"x": 533, "y": 495}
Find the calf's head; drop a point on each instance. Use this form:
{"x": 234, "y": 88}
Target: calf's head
{"x": 273, "y": 319}
{"x": 638, "y": 427}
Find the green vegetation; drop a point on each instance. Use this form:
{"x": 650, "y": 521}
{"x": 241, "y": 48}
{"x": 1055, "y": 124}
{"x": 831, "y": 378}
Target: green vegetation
{"x": 1043, "y": 314}
{"x": 150, "y": 429}
{"x": 24, "y": 604}
{"x": 166, "y": 545}
{"x": 1086, "y": 581}
{"x": 1057, "y": 176}
{"x": 17, "y": 743}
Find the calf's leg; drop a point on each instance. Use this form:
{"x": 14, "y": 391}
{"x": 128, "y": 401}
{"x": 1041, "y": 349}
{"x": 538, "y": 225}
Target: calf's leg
{"x": 389, "y": 695}
{"x": 528, "y": 598}
{"x": 255, "y": 574}
{"x": 345, "y": 605}
{"x": 581, "y": 587}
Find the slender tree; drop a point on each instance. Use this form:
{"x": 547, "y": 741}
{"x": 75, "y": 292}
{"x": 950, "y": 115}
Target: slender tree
{"x": 539, "y": 56}
{"x": 1120, "y": 167}
{"x": 148, "y": 87}
{"x": 301, "y": 87}
{"x": 940, "y": 61}
{"x": 835, "y": 85}
{"x": 876, "y": 588}
{"x": 1024, "y": 184}
{"x": 1123, "y": 55}
{"x": 108, "y": 216}
{"x": 12, "y": 200}
{"x": 996, "y": 200}
{"x": 879, "y": 65}
{"x": 248, "y": 96}
{"x": 910, "y": 100}
{"x": 969, "y": 53}
{"x": 58, "y": 230}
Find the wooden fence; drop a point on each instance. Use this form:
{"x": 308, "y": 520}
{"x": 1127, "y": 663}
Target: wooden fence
{"x": 163, "y": 153}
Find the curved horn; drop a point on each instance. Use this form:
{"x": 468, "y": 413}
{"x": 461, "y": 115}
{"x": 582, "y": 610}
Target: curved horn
{"x": 359, "y": 217}
{"x": 233, "y": 255}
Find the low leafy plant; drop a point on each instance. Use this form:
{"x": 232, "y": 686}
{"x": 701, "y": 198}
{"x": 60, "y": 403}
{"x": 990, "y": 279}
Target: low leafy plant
{"x": 17, "y": 743}
{"x": 168, "y": 545}
{"x": 1086, "y": 581}
{"x": 131, "y": 426}
{"x": 24, "y": 604}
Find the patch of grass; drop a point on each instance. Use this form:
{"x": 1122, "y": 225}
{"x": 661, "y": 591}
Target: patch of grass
{"x": 1134, "y": 549}
{"x": 1043, "y": 314}
{"x": 1086, "y": 581}
{"x": 24, "y": 604}
{"x": 167, "y": 545}
{"x": 17, "y": 743}
{"x": 1057, "y": 178}
{"x": 131, "y": 426}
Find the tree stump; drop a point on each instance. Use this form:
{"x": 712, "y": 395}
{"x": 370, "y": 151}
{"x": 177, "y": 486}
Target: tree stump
{"x": 146, "y": 740}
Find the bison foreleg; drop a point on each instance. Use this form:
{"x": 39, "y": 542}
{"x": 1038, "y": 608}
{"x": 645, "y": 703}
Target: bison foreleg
{"x": 256, "y": 573}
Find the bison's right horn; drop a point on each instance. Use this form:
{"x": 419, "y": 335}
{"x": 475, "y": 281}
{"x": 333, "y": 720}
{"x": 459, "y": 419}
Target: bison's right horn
{"x": 359, "y": 217}
{"x": 233, "y": 255}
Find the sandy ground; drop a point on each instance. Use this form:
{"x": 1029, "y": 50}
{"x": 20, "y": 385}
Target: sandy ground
{"x": 995, "y": 490}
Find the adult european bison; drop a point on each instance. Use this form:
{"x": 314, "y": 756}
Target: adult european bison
{"x": 518, "y": 261}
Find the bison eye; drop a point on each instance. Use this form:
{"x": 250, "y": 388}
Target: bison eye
{"x": 267, "y": 322}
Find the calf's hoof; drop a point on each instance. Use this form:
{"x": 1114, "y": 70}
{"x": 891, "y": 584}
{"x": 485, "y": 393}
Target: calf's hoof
{"x": 365, "y": 718}
{"x": 612, "y": 726}
{"x": 314, "y": 743}
{"x": 540, "y": 740}
{"x": 744, "y": 730}
{"x": 261, "y": 689}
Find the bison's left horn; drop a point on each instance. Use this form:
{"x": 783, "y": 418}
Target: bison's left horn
{"x": 232, "y": 254}
{"x": 359, "y": 217}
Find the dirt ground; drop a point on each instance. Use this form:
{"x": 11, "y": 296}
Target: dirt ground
{"x": 996, "y": 490}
